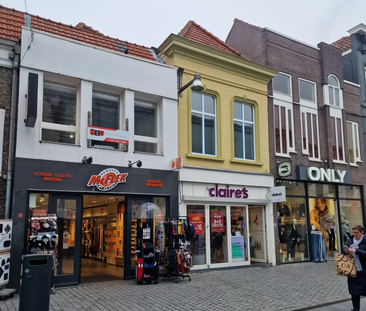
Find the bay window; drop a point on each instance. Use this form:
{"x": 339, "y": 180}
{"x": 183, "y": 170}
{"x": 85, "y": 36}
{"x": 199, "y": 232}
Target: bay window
{"x": 203, "y": 118}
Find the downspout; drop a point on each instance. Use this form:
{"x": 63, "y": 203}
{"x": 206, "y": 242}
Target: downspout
{"x": 13, "y": 110}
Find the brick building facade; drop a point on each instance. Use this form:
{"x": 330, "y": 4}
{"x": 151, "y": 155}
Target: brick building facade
{"x": 314, "y": 129}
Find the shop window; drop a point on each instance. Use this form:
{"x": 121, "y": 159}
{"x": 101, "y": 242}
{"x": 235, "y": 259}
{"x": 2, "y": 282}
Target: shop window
{"x": 336, "y": 130}
{"x": 239, "y": 236}
{"x": 218, "y": 234}
{"x": 257, "y": 233}
{"x": 310, "y": 133}
{"x": 196, "y": 214}
{"x": 283, "y": 127}
{"x": 159, "y": 222}
{"x": 59, "y": 113}
{"x": 334, "y": 91}
{"x": 203, "y": 116}
{"x": 244, "y": 131}
{"x": 292, "y": 187}
{"x": 292, "y": 230}
{"x": 349, "y": 192}
{"x": 321, "y": 190}
{"x": 282, "y": 84}
{"x": 324, "y": 228}
{"x": 351, "y": 215}
{"x": 146, "y": 126}
{"x": 353, "y": 142}
{"x": 105, "y": 113}
{"x": 307, "y": 90}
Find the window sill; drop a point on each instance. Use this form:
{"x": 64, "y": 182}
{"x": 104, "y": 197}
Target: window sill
{"x": 149, "y": 153}
{"x": 283, "y": 155}
{"x": 204, "y": 157}
{"x": 339, "y": 162}
{"x": 110, "y": 149}
{"x": 315, "y": 160}
{"x": 55, "y": 143}
{"x": 246, "y": 162}
{"x": 353, "y": 164}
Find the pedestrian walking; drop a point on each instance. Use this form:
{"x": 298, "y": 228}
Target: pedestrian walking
{"x": 356, "y": 246}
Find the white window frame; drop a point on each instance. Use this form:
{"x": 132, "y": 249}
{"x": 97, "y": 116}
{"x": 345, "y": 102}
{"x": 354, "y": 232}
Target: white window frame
{"x": 203, "y": 114}
{"x": 355, "y": 142}
{"x": 282, "y": 96}
{"x": 312, "y": 111}
{"x": 147, "y": 139}
{"x": 326, "y": 88}
{"x": 65, "y": 82}
{"x": 305, "y": 102}
{"x": 337, "y": 114}
{"x": 243, "y": 122}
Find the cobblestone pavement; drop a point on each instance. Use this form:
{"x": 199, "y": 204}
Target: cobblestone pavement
{"x": 342, "y": 306}
{"x": 286, "y": 287}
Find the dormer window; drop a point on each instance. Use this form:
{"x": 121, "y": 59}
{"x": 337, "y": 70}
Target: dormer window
{"x": 333, "y": 88}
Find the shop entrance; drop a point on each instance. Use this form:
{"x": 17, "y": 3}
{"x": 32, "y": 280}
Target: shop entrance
{"x": 103, "y": 224}
{"x": 257, "y": 234}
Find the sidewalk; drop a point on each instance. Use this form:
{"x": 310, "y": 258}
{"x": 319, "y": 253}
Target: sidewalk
{"x": 286, "y": 287}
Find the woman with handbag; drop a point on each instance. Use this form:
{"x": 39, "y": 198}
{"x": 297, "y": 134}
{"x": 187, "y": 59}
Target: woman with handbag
{"x": 356, "y": 246}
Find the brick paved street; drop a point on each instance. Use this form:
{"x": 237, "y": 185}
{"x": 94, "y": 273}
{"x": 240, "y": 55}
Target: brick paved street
{"x": 285, "y": 287}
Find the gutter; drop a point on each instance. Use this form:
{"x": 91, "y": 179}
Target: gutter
{"x": 13, "y": 109}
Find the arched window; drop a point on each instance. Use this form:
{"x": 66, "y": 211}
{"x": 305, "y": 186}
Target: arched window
{"x": 333, "y": 87}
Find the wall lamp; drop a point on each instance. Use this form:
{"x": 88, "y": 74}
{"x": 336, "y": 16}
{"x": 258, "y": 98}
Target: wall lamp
{"x": 138, "y": 163}
{"x": 87, "y": 160}
{"x": 196, "y": 84}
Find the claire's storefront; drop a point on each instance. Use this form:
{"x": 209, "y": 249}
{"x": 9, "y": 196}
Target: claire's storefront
{"x": 95, "y": 206}
{"x": 322, "y": 206}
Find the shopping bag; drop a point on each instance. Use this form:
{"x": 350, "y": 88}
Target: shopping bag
{"x": 345, "y": 265}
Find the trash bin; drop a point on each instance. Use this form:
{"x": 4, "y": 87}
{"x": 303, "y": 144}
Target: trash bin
{"x": 36, "y": 282}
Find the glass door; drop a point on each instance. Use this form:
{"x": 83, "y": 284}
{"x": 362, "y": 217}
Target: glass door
{"x": 218, "y": 235}
{"x": 69, "y": 212}
{"x": 257, "y": 237}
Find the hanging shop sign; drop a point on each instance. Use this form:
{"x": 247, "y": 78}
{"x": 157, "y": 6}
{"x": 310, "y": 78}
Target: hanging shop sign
{"x": 107, "y": 135}
{"x": 217, "y": 222}
{"x": 278, "y": 194}
{"x": 323, "y": 174}
{"x": 107, "y": 179}
{"x": 176, "y": 164}
{"x": 228, "y": 193}
{"x": 197, "y": 220}
{"x": 284, "y": 169}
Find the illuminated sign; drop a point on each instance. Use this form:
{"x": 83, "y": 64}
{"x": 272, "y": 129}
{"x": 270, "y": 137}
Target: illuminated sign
{"x": 107, "y": 179}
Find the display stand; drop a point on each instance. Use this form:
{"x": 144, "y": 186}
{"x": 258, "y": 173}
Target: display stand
{"x": 5, "y": 245}
{"x": 119, "y": 252}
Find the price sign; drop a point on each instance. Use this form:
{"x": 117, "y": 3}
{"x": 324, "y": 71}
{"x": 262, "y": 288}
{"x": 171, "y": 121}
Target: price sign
{"x": 197, "y": 220}
{"x": 217, "y": 222}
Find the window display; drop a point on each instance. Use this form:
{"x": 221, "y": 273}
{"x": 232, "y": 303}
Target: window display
{"x": 239, "y": 250}
{"x": 218, "y": 234}
{"x": 196, "y": 214}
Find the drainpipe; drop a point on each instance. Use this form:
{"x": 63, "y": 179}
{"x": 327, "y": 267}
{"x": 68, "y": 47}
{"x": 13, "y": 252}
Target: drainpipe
{"x": 13, "y": 109}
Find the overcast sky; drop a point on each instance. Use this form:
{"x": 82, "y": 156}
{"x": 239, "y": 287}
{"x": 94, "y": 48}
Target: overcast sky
{"x": 150, "y": 22}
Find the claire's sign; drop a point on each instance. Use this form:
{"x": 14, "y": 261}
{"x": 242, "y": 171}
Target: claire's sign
{"x": 107, "y": 179}
{"x": 228, "y": 193}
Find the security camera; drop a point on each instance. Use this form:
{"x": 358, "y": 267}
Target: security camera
{"x": 87, "y": 160}
{"x": 139, "y": 163}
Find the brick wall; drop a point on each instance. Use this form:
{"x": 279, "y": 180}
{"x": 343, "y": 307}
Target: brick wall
{"x": 6, "y": 80}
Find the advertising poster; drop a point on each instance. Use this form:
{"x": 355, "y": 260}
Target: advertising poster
{"x": 217, "y": 222}
{"x": 65, "y": 244}
{"x": 197, "y": 220}
{"x": 237, "y": 246}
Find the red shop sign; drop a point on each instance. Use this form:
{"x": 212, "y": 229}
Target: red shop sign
{"x": 217, "y": 222}
{"x": 197, "y": 220}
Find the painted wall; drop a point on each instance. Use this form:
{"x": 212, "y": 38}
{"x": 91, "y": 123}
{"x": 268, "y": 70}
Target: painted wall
{"x": 86, "y": 66}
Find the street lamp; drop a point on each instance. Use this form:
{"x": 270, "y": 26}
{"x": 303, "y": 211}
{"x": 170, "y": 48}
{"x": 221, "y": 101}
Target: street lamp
{"x": 196, "y": 84}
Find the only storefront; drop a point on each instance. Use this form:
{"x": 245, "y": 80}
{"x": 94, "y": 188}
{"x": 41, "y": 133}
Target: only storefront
{"x": 232, "y": 215}
{"x": 96, "y": 227}
{"x": 320, "y": 211}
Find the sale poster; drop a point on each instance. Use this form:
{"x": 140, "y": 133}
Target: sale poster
{"x": 197, "y": 220}
{"x": 217, "y": 222}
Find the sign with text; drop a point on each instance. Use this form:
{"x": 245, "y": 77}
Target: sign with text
{"x": 197, "y": 220}
{"x": 176, "y": 164}
{"x": 108, "y": 135}
{"x": 284, "y": 169}
{"x": 51, "y": 176}
{"x": 107, "y": 179}
{"x": 217, "y": 222}
{"x": 323, "y": 174}
{"x": 278, "y": 194}
{"x": 237, "y": 246}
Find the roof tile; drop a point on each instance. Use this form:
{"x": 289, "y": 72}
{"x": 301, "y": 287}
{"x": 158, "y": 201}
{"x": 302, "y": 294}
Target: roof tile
{"x": 195, "y": 32}
{"x": 12, "y": 20}
{"x": 344, "y": 43}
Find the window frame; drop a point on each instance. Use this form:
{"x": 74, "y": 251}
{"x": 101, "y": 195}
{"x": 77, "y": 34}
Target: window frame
{"x": 203, "y": 113}
{"x": 336, "y": 113}
{"x": 68, "y": 83}
{"x": 281, "y": 95}
{"x": 243, "y": 122}
{"x": 312, "y": 111}
{"x": 307, "y": 102}
{"x": 146, "y": 139}
{"x": 288, "y": 108}
{"x": 355, "y": 142}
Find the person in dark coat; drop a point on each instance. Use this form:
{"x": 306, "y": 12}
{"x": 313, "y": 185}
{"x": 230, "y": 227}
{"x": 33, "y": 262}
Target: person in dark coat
{"x": 356, "y": 246}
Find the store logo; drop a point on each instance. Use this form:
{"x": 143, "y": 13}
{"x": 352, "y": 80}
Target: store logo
{"x": 284, "y": 169}
{"x": 107, "y": 179}
{"x": 95, "y": 132}
{"x": 228, "y": 193}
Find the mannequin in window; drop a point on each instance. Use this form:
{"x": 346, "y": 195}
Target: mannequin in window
{"x": 293, "y": 239}
{"x": 345, "y": 228}
{"x": 284, "y": 210}
{"x": 328, "y": 223}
